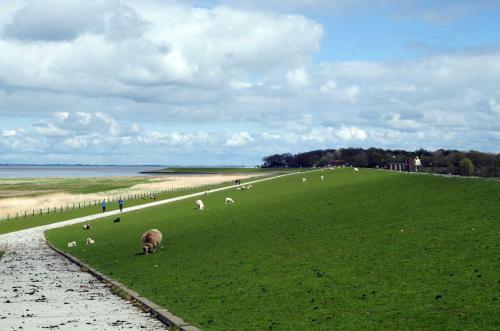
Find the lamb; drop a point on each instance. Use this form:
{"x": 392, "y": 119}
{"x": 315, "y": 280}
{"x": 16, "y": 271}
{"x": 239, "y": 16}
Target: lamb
{"x": 89, "y": 241}
{"x": 150, "y": 240}
{"x": 72, "y": 244}
{"x": 322, "y": 178}
{"x": 304, "y": 180}
{"x": 229, "y": 201}
{"x": 199, "y": 204}
{"x": 87, "y": 226}
{"x": 356, "y": 169}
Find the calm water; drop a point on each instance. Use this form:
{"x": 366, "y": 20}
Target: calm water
{"x": 31, "y": 171}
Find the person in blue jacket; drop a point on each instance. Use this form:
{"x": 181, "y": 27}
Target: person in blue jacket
{"x": 120, "y": 204}
{"x": 103, "y": 204}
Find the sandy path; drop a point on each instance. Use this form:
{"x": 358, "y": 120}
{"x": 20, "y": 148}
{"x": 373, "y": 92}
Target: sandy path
{"x": 40, "y": 289}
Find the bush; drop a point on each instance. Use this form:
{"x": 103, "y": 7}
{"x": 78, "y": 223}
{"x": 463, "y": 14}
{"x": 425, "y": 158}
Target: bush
{"x": 466, "y": 167}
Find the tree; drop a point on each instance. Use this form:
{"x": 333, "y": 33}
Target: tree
{"x": 466, "y": 167}
{"x": 497, "y": 165}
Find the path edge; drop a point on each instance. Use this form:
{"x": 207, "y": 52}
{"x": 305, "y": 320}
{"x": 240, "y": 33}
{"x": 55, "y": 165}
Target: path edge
{"x": 148, "y": 306}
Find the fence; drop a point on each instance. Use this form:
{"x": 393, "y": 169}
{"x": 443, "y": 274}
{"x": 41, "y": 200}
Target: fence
{"x": 154, "y": 194}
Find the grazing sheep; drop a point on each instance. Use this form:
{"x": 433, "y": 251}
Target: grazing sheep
{"x": 229, "y": 201}
{"x": 322, "y": 178}
{"x": 199, "y": 204}
{"x": 72, "y": 244}
{"x": 150, "y": 240}
{"x": 89, "y": 241}
{"x": 249, "y": 186}
{"x": 117, "y": 220}
{"x": 304, "y": 180}
{"x": 238, "y": 188}
{"x": 87, "y": 226}
{"x": 356, "y": 169}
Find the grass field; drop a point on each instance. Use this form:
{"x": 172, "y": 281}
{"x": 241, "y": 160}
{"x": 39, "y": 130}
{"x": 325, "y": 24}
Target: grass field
{"x": 38, "y": 186}
{"x": 228, "y": 170}
{"x": 11, "y": 225}
{"x": 374, "y": 250}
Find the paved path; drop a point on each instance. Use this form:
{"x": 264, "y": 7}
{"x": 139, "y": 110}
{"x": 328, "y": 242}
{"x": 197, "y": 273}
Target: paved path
{"x": 40, "y": 290}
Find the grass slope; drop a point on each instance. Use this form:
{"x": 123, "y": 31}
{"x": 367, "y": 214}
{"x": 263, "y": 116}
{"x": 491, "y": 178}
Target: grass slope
{"x": 316, "y": 255}
{"x": 22, "y": 223}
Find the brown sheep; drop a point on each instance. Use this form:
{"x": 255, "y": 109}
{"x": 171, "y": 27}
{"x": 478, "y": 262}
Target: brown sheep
{"x": 150, "y": 240}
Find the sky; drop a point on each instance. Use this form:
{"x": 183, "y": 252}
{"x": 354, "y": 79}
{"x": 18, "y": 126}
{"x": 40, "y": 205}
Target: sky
{"x": 229, "y": 82}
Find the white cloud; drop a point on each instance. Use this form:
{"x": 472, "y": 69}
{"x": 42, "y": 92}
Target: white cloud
{"x": 239, "y": 139}
{"x": 166, "y": 78}
{"x": 352, "y": 133}
{"x": 494, "y": 106}
{"x": 8, "y": 133}
{"x": 297, "y": 77}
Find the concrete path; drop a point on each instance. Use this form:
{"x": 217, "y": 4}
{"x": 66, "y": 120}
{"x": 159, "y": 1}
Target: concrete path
{"x": 39, "y": 289}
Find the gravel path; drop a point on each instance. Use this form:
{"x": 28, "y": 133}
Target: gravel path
{"x": 40, "y": 289}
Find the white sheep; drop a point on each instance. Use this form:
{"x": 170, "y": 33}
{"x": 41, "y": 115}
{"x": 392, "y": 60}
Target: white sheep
{"x": 89, "y": 241}
{"x": 72, "y": 244}
{"x": 322, "y": 178}
{"x": 229, "y": 201}
{"x": 249, "y": 186}
{"x": 238, "y": 188}
{"x": 356, "y": 169}
{"x": 304, "y": 180}
{"x": 199, "y": 204}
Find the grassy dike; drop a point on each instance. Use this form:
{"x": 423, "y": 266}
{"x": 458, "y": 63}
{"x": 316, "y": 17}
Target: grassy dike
{"x": 22, "y": 223}
{"x": 374, "y": 250}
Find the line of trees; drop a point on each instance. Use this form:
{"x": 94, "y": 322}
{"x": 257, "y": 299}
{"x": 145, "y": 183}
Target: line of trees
{"x": 471, "y": 163}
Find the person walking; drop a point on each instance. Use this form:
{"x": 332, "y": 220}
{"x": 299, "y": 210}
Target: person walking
{"x": 103, "y": 205}
{"x": 120, "y": 204}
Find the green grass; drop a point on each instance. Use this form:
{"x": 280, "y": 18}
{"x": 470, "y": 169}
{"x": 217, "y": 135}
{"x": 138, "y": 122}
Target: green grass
{"x": 316, "y": 255}
{"x": 39, "y": 186}
{"x": 228, "y": 170}
{"x": 30, "y": 221}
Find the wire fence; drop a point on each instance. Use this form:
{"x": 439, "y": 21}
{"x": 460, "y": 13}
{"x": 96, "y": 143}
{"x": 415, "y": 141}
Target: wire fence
{"x": 147, "y": 195}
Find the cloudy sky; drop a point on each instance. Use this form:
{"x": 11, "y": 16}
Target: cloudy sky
{"x": 225, "y": 82}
